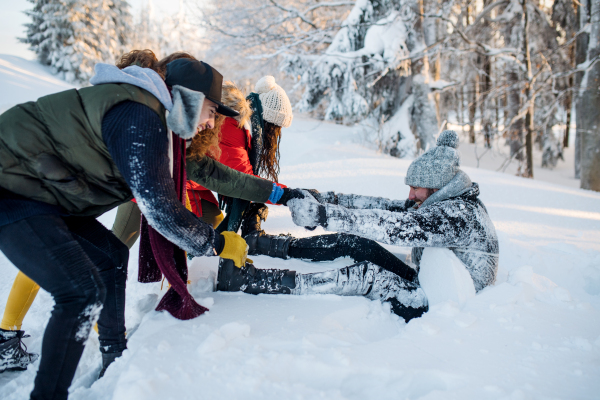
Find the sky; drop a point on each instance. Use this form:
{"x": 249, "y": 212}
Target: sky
{"x": 12, "y": 20}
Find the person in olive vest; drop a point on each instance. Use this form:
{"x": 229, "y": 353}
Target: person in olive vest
{"x": 71, "y": 156}
{"x": 200, "y": 166}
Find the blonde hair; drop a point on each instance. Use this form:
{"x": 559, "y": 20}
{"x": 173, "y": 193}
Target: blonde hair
{"x": 234, "y": 98}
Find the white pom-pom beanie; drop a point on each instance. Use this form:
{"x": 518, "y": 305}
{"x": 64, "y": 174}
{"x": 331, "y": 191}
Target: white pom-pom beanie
{"x": 437, "y": 166}
{"x": 276, "y": 105}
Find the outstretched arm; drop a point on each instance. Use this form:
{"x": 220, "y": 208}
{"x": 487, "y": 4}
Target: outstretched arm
{"x": 431, "y": 227}
{"x": 138, "y": 144}
{"x": 358, "y": 202}
{"x": 228, "y": 182}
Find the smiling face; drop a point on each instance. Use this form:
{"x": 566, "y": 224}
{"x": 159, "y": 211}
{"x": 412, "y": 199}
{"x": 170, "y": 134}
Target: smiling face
{"x": 207, "y": 115}
{"x": 419, "y": 194}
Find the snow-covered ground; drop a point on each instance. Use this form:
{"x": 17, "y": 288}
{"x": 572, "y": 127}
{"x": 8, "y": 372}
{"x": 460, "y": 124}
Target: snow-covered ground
{"x": 534, "y": 335}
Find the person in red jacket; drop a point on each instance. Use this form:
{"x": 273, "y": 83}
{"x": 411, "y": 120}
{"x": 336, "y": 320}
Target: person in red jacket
{"x": 249, "y": 143}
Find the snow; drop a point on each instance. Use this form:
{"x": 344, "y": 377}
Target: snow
{"x": 24, "y": 80}
{"x": 535, "y": 334}
{"x": 444, "y": 277}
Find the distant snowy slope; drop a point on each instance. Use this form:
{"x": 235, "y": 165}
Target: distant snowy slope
{"x": 23, "y": 80}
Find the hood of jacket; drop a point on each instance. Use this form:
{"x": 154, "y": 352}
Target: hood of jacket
{"x": 184, "y": 105}
{"x": 459, "y": 185}
{"x": 144, "y": 78}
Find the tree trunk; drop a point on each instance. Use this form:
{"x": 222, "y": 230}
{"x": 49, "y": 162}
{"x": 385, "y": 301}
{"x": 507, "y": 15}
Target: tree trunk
{"x": 569, "y": 98}
{"x": 589, "y": 130}
{"x": 528, "y": 173}
{"x": 583, "y": 15}
{"x": 473, "y": 109}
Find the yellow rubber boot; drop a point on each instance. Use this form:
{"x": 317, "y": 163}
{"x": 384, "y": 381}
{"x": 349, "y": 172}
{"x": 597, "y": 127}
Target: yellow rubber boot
{"x": 21, "y": 296}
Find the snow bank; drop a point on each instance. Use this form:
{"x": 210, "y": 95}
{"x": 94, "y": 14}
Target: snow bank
{"x": 24, "y": 80}
{"x": 444, "y": 277}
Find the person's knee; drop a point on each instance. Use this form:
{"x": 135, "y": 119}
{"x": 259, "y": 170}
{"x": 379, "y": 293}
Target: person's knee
{"x": 120, "y": 254}
{"x": 81, "y": 295}
{"x": 352, "y": 241}
{"x": 119, "y": 257}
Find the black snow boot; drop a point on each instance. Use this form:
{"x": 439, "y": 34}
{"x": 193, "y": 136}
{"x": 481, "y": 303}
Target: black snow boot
{"x": 253, "y": 217}
{"x": 406, "y": 298}
{"x": 107, "y": 359}
{"x": 13, "y": 352}
{"x": 252, "y": 280}
{"x": 269, "y": 245}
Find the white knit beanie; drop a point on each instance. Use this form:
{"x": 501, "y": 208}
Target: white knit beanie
{"x": 276, "y": 106}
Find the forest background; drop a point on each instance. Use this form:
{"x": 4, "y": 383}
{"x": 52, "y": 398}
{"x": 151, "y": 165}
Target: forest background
{"x": 519, "y": 77}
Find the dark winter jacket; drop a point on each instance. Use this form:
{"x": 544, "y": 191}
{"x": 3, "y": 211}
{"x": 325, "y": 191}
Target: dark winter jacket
{"x": 458, "y": 220}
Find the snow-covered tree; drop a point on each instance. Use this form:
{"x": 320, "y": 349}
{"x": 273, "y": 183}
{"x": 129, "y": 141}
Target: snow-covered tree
{"x": 71, "y": 36}
{"x": 168, "y": 34}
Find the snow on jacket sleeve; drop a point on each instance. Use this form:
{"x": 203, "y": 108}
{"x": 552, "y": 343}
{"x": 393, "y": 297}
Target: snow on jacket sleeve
{"x": 137, "y": 141}
{"x": 358, "y": 202}
{"x": 449, "y": 223}
{"x": 460, "y": 224}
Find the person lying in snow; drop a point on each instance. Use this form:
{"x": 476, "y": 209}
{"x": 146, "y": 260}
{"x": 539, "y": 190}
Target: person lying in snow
{"x": 443, "y": 210}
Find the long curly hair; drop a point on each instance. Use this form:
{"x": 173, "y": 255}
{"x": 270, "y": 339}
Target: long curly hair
{"x": 206, "y": 142}
{"x": 269, "y": 155}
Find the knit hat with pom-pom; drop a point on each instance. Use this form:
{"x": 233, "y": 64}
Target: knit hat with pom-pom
{"x": 437, "y": 166}
{"x": 276, "y": 106}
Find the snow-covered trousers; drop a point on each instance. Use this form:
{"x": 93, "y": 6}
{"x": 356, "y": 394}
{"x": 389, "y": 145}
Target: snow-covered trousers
{"x": 406, "y": 298}
{"x": 330, "y": 247}
{"x": 84, "y": 267}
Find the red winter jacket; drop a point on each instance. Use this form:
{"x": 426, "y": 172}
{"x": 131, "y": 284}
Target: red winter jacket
{"x": 235, "y": 144}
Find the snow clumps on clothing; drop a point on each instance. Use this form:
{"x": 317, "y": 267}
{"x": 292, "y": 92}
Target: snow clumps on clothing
{"x": 276, "y": 105}
{"x": 456, "y": 219}
{"x": 437, "y": 166}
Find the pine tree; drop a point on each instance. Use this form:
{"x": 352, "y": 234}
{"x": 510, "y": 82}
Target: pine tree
{"x": 71, "y": 36}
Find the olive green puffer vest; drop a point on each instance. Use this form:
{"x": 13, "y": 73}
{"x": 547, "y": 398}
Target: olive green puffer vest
{"x": 52, "y": 150}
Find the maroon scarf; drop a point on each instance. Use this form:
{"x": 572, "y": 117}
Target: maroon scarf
{"x": 160, "y": 257}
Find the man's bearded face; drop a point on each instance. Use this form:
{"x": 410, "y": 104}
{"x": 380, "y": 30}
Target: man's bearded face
{"x": 419, "y": 194}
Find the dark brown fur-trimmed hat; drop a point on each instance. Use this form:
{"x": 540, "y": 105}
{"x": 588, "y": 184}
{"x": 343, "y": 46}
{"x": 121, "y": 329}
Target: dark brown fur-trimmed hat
{"x": 200, "y": 77}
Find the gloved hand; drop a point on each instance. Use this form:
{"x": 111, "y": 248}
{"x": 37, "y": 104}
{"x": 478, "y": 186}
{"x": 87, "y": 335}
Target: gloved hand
{"x": 235, "y": 248}
{"x": 308, "y": 212}
{"x": 323, "y": 198}
{"x": 289, "y": 194}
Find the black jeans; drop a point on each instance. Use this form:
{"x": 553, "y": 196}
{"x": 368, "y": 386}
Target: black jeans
{"x": 84, "y": 267}
{"x": 330, "y": 247}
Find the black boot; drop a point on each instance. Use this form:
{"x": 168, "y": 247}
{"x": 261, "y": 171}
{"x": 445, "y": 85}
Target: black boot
{"x": 253, "y": 217}
{"x": 268, "y": 245}
{"x": 13, "y": 352}
{"x": 107, "y": 359}
{"x": 249, "y": 279}
{"x": 406, "y": 298}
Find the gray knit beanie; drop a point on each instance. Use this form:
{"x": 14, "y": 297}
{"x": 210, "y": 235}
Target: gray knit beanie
{"x": 437, "y": 166}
